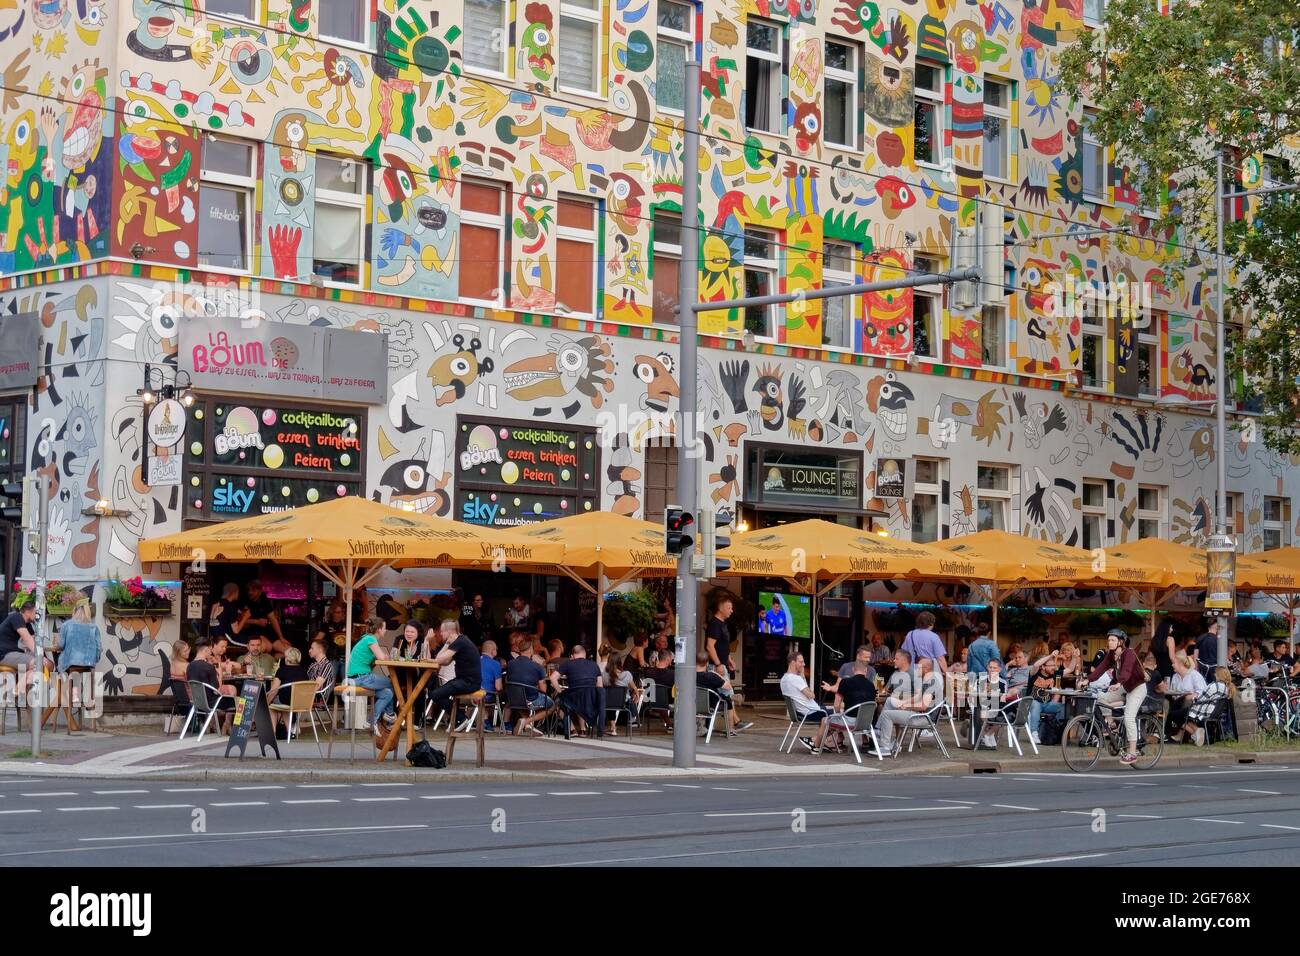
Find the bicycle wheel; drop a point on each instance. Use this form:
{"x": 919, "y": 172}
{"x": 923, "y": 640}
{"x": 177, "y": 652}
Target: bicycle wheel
{"x": 1081, "y": 743}
{"x": 1151, "y": 742}
{"x": 1269, "y": 719}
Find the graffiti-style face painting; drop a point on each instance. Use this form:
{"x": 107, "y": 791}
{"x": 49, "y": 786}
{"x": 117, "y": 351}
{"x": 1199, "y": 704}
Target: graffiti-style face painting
{"x": 456, "y": 371}
{"x": 890, "y": 399}
{"x": 567, "y": 366}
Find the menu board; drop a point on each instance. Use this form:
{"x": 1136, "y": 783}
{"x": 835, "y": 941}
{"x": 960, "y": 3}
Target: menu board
{"x": 254, "y": 459}
{"x": 251, "y": 710}
{"x": 509, "y": 474}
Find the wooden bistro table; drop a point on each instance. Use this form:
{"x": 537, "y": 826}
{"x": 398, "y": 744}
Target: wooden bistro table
{"x": 409, "y": 679}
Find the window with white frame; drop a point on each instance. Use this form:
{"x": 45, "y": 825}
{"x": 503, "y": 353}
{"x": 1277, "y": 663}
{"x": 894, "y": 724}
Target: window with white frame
{"x": 346, "y": 20}
{"x": 927, "y": 117}
{"x": 227, "y": 180}
{"x": 927, "y": 305}
{"x": 1093, "y": 329}
{"x": 575, "y": 250}
{"x": 1096, "y": 168}
{"x": 840, "y": 94}
{"x": 487, "y": 43}
{"x": 993, "y": 497}
{"x": 676, "y": 37}
{"x": 339, "y": 229}
{"x": 1148, "y": 357}
{"x": 244, "y": 9}
{"x": 1277, "y": 520}
{"x": 927, "y": 491}
{"x": 1150, "y": 511}
{"x": 1094, "y": 12}
{"x": 764, "y": 68}
{"x": 1234, "y": 505}
{"x": 993, "y": 336}
{"x": 1093, "y": 511}
{"x": 839, "y": 314}
{"x": 760, "y": 279}
{"x": 998, "y": 95}
{"x": 580, "y": 46}
{"x": 667, "y": 228}
{"x": 484, "y": 241}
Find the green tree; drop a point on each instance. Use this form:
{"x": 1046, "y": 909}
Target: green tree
{"x": 1169, "y": 89}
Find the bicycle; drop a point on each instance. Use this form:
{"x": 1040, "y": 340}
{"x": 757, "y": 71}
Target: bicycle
{"x": 1085, "y": 735}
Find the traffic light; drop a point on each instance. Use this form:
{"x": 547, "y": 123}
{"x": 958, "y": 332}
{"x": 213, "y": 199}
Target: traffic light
{"x": 22, "y": 502}
{"x": 12, "y": 509}
{"x": 679, "y": 526}
{"x": 721, "y": 539}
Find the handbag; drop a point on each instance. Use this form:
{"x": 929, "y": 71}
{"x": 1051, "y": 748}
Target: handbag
{"x": 424, "y": 754}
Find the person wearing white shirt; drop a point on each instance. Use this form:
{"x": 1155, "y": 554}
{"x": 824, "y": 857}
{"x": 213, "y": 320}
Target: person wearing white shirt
{"x": 794, "y": 685}
{"x": 1185, "y": 686}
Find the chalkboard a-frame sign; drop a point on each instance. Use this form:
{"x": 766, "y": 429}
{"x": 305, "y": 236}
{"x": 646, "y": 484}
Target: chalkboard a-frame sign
{"x": 251, "y": 708}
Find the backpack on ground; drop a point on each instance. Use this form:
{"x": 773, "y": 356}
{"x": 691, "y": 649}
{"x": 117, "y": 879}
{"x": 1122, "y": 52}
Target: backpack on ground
{"x": 423, "y": 754}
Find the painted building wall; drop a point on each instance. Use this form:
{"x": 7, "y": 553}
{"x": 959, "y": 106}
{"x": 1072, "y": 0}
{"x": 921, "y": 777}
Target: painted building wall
{"x": 123, "y": 93}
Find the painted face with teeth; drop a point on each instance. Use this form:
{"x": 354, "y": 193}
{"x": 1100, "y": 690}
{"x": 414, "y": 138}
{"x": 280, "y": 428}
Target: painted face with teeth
{"x": 889, "y": 398}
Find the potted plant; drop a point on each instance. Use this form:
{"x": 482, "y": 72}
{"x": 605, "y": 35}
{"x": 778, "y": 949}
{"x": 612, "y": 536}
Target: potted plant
{"x": 629, "y": 613}
{"x": 60, "y": 598}
{"x": 134, "y": 598}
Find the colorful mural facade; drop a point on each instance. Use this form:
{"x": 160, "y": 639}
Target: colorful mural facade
{"x": 103, "y": 161}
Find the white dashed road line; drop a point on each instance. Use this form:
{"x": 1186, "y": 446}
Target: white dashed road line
{"x": 189, "y": 789}
{"x": 274, "y": 786}
{"x": 573, "y": 793}
{"x": 380, "y": 799}
{"x": 164, "y": 806}
{"x": 51, "y": 793}
{"x": 1278, "y": 826}
{"x": 324, "y": 800}
{"x": 449, "y": 796}
{"x": 114, "y": 793}
{"x": 786, "y": 813}
{"x": 19, "y": 811}
{"x": 1012, "y": 806}
{"x": 1238, "y": 823}
{"x": 1140, "y": 816}
{"x": 503, "y": 796}
{"x": 641, "y": 791}
{"x": 1267, "y": 793}
{"x": 83, "y": 809}
{"x": 244, "y": 803}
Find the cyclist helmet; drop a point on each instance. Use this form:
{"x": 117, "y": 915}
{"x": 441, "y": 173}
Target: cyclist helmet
{"x": 1118, "y": 632}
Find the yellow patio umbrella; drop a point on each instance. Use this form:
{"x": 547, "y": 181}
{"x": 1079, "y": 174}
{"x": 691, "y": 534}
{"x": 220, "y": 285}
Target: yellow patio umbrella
{"x": 608, "y": 548}
{"x": 1023, "y": 562}
{"x": 805, "y": 552}
{"x": 1276, "y": 571}
{"x": 350, "y": 540}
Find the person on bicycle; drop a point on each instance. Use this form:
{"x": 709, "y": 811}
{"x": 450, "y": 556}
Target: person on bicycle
{"x": 1128, "y": 685}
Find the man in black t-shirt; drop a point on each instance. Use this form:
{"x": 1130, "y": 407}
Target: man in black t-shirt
{"x": 475, "y": 621}
{"x": 202, "y": 669}
{"x": 583, "y": 694}
{"x": 263, "y": 621}
{"x": 706, "y": 676}
{"x": 526, "y": 671}
{"x": 18, "y": 643}
{"x": 458, "y": 649}
{"x": 717, "y": 636}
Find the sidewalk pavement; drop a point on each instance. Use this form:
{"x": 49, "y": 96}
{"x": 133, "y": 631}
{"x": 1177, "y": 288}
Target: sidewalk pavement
{"x": 752, "y": 753}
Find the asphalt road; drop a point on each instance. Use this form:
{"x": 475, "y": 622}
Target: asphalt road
{"x": 1225, "y": 816}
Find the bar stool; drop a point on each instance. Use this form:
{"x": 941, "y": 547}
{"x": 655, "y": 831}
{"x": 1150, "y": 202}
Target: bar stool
{"x": 339, "y": 693}
{"x": 66, "y": 707}
{"x": 9, "y": 682}
{"x": 475, "y": 730}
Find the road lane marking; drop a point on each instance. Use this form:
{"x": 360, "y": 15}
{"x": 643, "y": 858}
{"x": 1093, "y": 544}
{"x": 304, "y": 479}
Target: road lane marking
{"x": 238, "y": 833}
{"x": 83, "y": 809}
{"x": 573, "y": 793}
{"x": 824, "y": 794}
{"x": 449, "y": 796}
{"x": 1140, "y": 816}
{"x": 1238, "y": 823}
{"x": 380, "y": 799}
{"x": 1267, "y": 793}
{"x": 163, "y": 806}
{"x": 639, "y": 791}
{"x": 20, "y": 811}
{"x": 684, "y": 786}
{"x": 51, "y": 793}
{"x": 1045, "y": 859}
{"x": 323, "y": 786}
{"x": 731, "y": 789}
{"x": 189, "y": 789}
{"x": 501, "y": 796}
{"x": 786, "y": 813}
{"x": 388, "y": 785}
{"x": 969, "y": 803}
{"x": 243, "y": 803}
{"x": 273, "y": 786}
{"x": 1278, "y": 826}
{"x": 1012, "y": 806}
{"x": 323, "y": 800}
{"x": 114, "y": 793}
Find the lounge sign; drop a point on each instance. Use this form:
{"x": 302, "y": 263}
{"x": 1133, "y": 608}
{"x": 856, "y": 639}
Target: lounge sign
{"x": 277, "y": 358}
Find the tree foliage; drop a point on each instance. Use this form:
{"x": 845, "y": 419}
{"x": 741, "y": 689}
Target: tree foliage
{"x": 1171, "y": 88}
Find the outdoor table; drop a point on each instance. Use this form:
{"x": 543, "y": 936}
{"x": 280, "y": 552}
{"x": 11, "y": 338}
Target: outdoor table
{"x": 409, "y": 679}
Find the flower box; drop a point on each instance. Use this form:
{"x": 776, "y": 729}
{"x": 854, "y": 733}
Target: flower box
{"x": 118, "y": 611}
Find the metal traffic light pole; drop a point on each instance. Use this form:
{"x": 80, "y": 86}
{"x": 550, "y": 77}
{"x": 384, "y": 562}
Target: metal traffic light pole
{"x": 688, "y": 444}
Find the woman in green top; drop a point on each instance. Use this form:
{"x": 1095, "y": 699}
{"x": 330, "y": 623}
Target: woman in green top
{"x": 363, "y": 673}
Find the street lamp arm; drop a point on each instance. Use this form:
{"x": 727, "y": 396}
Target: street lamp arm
{"x": 971, "y": 274}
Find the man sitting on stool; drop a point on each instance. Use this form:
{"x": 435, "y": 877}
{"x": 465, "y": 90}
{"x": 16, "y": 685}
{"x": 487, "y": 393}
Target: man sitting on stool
{"x": 459, "y": 649}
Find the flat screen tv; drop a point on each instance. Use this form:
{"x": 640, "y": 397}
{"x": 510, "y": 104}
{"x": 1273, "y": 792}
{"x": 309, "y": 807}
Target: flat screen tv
{"x": 786, "y": 614}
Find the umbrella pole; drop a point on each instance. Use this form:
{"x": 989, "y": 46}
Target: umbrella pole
{"x": 995, "y": 612}
{"x": 600, "y": 609}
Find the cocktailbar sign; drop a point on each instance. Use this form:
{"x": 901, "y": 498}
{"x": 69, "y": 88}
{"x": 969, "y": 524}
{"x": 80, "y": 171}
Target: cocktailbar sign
{"x": 508, "y": 474}
{"x": 254, "y": 459}
{"x": 280, "y": 359}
